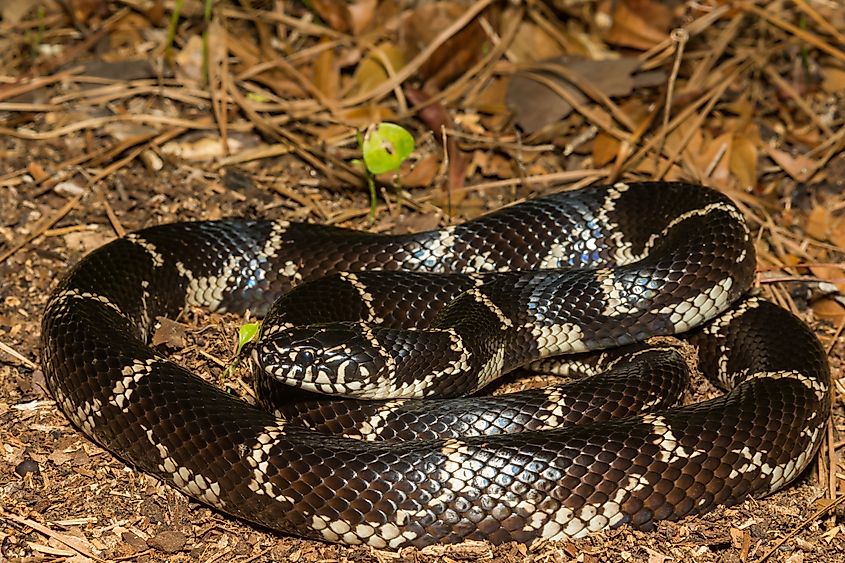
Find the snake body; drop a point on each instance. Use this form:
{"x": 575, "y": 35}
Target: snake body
{"x": 563, "y": 274}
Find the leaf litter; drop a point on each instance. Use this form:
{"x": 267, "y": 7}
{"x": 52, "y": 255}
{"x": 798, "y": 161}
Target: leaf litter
{"x": 107, "y": 125}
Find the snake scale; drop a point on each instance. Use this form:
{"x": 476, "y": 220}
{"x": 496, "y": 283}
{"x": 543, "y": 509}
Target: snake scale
{"x": 568, "y": 273}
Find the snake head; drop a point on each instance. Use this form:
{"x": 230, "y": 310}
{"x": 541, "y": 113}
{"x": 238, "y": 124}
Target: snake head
{"x": 334, "y": 358}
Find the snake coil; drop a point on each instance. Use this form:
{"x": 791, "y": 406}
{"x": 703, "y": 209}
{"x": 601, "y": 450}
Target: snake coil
{"x": 567, "y": 273}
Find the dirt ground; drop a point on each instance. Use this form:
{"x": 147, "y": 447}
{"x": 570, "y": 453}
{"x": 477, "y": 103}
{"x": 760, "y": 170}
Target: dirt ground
{"x": 87, "y": 154}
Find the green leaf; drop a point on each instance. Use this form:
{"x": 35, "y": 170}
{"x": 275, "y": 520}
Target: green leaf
{"x": 385, "y": 147}
{"x": 246, "y": 334}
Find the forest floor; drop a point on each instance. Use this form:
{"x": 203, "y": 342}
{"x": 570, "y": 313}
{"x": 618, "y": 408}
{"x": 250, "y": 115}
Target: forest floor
{"x": 107, "y": 126}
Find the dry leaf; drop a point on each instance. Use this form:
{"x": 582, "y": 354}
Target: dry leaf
{"x": 13, "y": 11}
{"x": 834, "y": 79}
{"x": 189, "y": 60}
{"x": 82, "y": 10}
{"x": 126, "y": 35}
{"x": 453, "y": 57}
{"x": 605, "y": 148}
{"x": 170, "y": 333}
{"x": 656, "y": 557}
{"x": 86, "y": 241}
{"x": 737, "y": 537}
{"x": 361, "y": 14}
{"x": 417, "y": 222}
{"x": 326, "y": 72}
{"x": 798, "y": 166}
{"x": 828, "y": 309}
{"x": 333, "y": 12}
{"x": 819, "y": 222}
{"x": 837, "y": 232}
{"x": 371, "y": 71}
{"x": 364, "y": 115}
{"x": 743, "y": 162}
{"x": 704, "y": 154}
{"x": 420, "y": 174}
{"x": 830, "y": 274}
{"x": 742, "y": 108}
{"x": 491, "y": 99}
{"x": 535, "y": 105}
{"x": 489, "y": 164}
{"x": 639, "y": 24}
{"x": 532, "y": 43}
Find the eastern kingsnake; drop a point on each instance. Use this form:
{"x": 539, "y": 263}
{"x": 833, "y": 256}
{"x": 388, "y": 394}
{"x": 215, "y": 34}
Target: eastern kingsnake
{"x": 619, "y": 264}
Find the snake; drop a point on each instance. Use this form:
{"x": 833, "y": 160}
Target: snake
{"x": 411, "y": 329}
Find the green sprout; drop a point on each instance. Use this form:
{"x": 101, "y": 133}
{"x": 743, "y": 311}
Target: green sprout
{"x": 384, "y": 147}
{"x": 246, "y": 334}
{"x": 171, "y": 28}
{"x": 207, "y": 16}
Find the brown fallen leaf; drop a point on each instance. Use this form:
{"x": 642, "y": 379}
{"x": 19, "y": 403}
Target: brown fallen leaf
{"x": 490, "y": 164}
{"x": 798, "y": 166}
{"x": 419, "y": 174}
{"x": 833, "y": 79}
{"x": 491, "y": 99}
{"x": 189, "y": 59}
{"x": 86, "y": 241}
{"x": 705, "y": 154}
{"x": 837, "y": 233}
{"x": 125, "y": 35}
{"x": 326, "y": 72}
{"x": 743, "y": 161}
{"x": 136, "y": 542}
{"x": 83, "y": 10}
{"x": 371, "y": 71}
{"x": 605, "y": 148}
{"x": 333, "y": 12}
{"x": 639, "y": 24}
{"x": 533, "y": 43}
{"x": 13, "y": 11}
{"x": 36, "y": 171}
{"x": 535, "y": 105}
{"x": 454, "y": 56}
{"x": 63, "y": 455}
{"x": 434, "y": 115}
{"x": 361, "y": 116}
{"x": 828, "y": 309}
{"x": 170, "y": 333}
{"x": 819, "y": 222}
{"x": 362, "y": 14}
{"x": 416, "y": 222}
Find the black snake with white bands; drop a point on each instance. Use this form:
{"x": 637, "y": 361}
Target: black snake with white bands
{"x": 620, "y": 263}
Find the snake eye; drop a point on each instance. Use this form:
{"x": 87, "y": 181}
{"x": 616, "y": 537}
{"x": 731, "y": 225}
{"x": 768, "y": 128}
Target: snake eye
{"x": 305, "y": 357}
